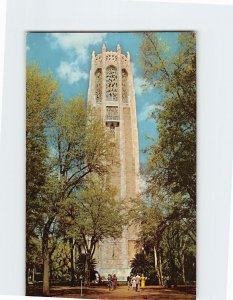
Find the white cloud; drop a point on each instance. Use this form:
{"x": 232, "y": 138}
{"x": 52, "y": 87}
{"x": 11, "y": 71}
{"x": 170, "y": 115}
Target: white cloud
{"x": 71, "y": 72}
{"x": 145, "y": 114}
{"x": 139, "y": 85}
{"x": 133, "y": 69}
{"x": 76, "y": 44}
{"x": 159, "y": 107}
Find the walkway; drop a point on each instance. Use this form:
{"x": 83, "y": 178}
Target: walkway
{"x": 150, "y": 292}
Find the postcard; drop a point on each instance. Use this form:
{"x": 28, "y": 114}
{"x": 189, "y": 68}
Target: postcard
{"x": 111, "y": 164}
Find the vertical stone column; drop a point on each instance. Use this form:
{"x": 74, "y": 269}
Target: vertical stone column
{"x": 122, "y": 135}
{"x": 103, "y": 82}
{"x": 124, "y": 240}
{"x": 91, "y": 89}
{"x": 103, "y": 113}
{"x": 134, "y": 125}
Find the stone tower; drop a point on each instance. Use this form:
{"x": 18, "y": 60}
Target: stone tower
{"x": 111, "y": 92}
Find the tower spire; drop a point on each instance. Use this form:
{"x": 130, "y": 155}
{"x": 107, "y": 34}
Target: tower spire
{"x": 118, "y": 48}
{"x": 103, "y": 47}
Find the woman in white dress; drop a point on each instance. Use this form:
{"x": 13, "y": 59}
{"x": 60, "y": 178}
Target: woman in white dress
{"x": 133, "y": 281}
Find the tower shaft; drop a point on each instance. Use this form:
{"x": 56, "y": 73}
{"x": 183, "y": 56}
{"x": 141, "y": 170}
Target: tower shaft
{"x": 111, "y": 92}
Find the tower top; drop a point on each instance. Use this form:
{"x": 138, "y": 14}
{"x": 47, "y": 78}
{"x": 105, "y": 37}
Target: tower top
{"x": 111, "y": 56}
{"x": 103, "y": 47}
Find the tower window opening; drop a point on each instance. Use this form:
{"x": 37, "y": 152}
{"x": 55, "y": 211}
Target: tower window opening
{"x": 111, "y": 84}
{"x": 112, "y": 130}
{"x": 124, "y": 86}
{"x": 98, "y": 85}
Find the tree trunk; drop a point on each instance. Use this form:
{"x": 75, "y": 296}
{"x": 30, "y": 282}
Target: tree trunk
{"x": 33, "y": 274}
{"x": 183, "y": 269}
{"x": 156, "y": 264}
{"x": 72, "y": 261}
{"x": 46, "y": 257}
{"x": 27, "y": 275}
{"x": 160, "y": 271}
{"x": 87, "y": 270}
{"x": 46, "y": 273}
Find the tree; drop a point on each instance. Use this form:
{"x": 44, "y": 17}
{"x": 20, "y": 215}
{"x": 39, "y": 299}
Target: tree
{"x": 168, "y": 225}
{"x": 60, "y": 262}
{"x": 79, "y": 145}
{"x": 33, "y": 257}
{"x": 166, "y": 235}
{"x": 93, "y": 214}
{"x": 81, "y": 267}
{"x": 141, "y": 264}
{"x": 40, "y": 93}
{"x": 71, "y": 142}
{"x": 172, "y": 157}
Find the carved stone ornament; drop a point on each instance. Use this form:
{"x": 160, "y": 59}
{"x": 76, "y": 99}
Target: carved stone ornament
{"x": 124, "y": 86}
{"x": 111, "y": 84}
{"x": 98, "y": 85}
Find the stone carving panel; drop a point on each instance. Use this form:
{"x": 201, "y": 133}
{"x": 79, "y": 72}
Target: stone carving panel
{"x": 124, "y": 61}
{"x": 111, "y": 84}
{"x": 98, "y": 85}
{"x": 112, "y": 112}
{"x": 98, "y": 58}
{"x": 111, "y": 57}
{"x": 124, "y": 86}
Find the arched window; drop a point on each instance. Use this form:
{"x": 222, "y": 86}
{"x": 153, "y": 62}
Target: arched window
{"x": 98, "y": 85}
{"x": 111, "y": 84}
{"x": 124, "y": 86}
{"x": 112, "y": 130}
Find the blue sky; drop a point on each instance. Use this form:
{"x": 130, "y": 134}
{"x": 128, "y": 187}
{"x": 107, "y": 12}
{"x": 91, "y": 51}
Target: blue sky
{"x": 68, "y": 57}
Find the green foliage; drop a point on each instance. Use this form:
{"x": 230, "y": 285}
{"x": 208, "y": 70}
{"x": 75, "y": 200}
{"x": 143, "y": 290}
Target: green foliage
{"x": 34, "y": 253}
{"x": 40, "y": 93}
{"x": 69, "y": 153}
{"x": 142, "y": 264}
{"x": 60, "y": 262}
{"x": 172, "y": 158}
{"x": 92, "y": 214}
{"x": 81, "y": 266}
{"x": 79, "y": 144}
{"x": 168, "y": 215}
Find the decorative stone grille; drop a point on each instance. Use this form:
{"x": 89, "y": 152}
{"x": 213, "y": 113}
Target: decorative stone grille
{"x": 98, "y": 85}
{"x": 111, "y": 56}
{"x": 98, "y": 58}
{"x": 112, "y": 113}
{"x": 124, "y": 86}
{"x": 111, "y": 84}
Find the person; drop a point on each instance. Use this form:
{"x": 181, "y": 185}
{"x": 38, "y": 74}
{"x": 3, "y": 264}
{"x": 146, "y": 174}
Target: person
{"x": 114, "y": 281}
{"x": 143, "y": 281}
{"x": 97, "y": 278}
{"x": 128, "y": 282}
{"x": 133, "y": 282}
{"x": 138, "y": 279}
{"x": 109, "y": 281}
